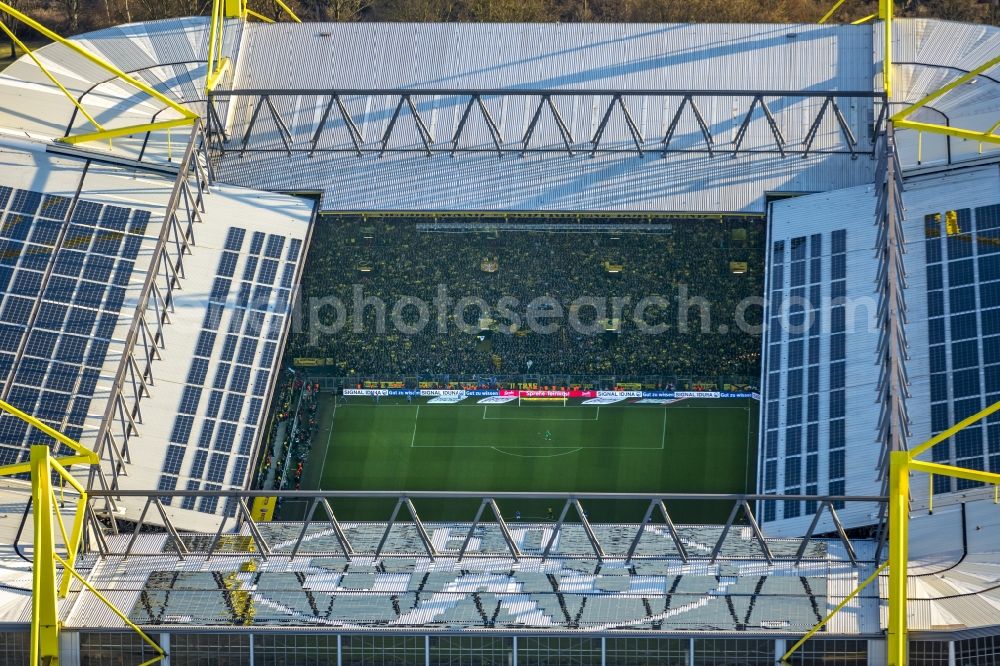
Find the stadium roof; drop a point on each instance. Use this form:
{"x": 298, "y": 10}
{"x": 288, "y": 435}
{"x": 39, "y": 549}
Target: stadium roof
{"x": 289, "y": 71}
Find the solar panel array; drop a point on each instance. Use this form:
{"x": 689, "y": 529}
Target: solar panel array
{"x": 222, "y": 402}
{"x": 64, "y": 269}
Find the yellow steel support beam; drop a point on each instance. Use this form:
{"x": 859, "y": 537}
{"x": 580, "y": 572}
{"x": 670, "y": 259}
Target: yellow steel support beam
{"x": 235, "y": 9}
{"x": 937, "y": 439}
{"x": 124, "y": 618}
{"x": 885, "y": 12}
{"x": 128, "y": 131}
{"x": 44, "y": 608}
{"x": 965, "y": 78}
{"x": 214, "y": 36}
{"x": 97, "y": 60}
{"x": 259, "y": 16}
{"x": 957, "y": 472}
{"x": 988, "y": 136}
{"x": 819, "y": 625}
{"x": 969, "y": 135}
{"x": 865, "y": 19}
{"x": 45, "y": 593}
{"x": 213, "y": 79}
{"x": 288, "y": 11}
{"x": 84, "y": 452}
{"x": 899, "y": 515}
{"x": 25, "y": 467}
{"x": 45, "y": 70}
{"x": 836, "y": 6}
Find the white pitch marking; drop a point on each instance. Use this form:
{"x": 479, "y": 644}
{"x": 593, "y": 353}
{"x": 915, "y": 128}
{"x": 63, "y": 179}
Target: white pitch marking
{"x": 415, "y": 417}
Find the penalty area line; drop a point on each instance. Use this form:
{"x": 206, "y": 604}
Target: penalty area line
{"x": 521, "y": 455}
{"x": 416, "y": 416}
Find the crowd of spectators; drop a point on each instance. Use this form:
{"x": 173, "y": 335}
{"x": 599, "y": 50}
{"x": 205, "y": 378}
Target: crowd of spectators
{"x": 293, "y": 426}
{"x": 397, "y": 258}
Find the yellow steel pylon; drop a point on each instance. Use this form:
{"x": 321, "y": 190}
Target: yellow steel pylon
{"x": 901, "y": 464}
{"x": 46, "y": 516}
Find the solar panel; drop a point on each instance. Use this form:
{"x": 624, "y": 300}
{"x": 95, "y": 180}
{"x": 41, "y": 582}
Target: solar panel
{"x": 17, "y": 310}
{"x": 288, "y": 276}
{"x": 268, "y": 271}
{"x": 31, "y": 372}
{"x": 26, "y": 283}
{"x": 10, "y": 337}
{"x": 206, "y": 340}
{"x": 62, "y": 376}
{"x": 198, "y": 371}
{"x": 221, "y": 376}
{"x": 240, "y": 379}
{"x": 41, "y": 343}
{"x": 274, "y": 246}
{"x": 106, "y": 325}
{"x": 72, "y": 348}
{"x": 140, "y": 220}
{"x": 131, "y": 248}
{"x": 220, "y": 290}
{"x": 46, "y": 232}
{"x": 213, "y": 316}
{"x": 54, "y": 207}
{"x": 234, "y": 238}
{"x": 36, "y": 257}
{"x": 86, "y": 212}
{"x": 98, "y": 268}
{"x": 247, "y": 349}
{"x": 16, "y": 226}
{"x": 251, "y": 268}
{"x": 261, "y": 296}
{"x": 60, "y": 289}
{"x": 52, "y": 406}
{"x": 175, "y": 455}
{"x": 267, "y": 355}
{"x": 236, "y": 322}
{"x": 246, "y": 439}
{"x": 115, "y": 218}
{"x": 234, "y": 406}
{"x": 98, "y": 350}
{"x": 198, "y": 466}
{"x": 226, "y": 437}
{"x": 256, "y": 242}
{"x": 110, "y": 243}
{"x": 227, "y": 264}
{"x": 69, "y": 263}
{"x": 239, "y": 469}
{"x": 217, "y": 467}
{"x": 79, "y": 412}
{"x": 205, "y": 437}
{"x": 214, "y": 403}
{"x": 253, "y": 410}
{"x": 229, "y": 348}
{"x": 26, "y": 201}
{"x": 294, "y": 247}
{"x": 209, "y": 504}
{"x": 4, "y": 195}
{"x": 182, "y": 429}
{"x": 115, "y": 299}
{"x": 190, "y": 398}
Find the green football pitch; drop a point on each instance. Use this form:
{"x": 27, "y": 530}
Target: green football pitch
{"x": 694, "y": 445}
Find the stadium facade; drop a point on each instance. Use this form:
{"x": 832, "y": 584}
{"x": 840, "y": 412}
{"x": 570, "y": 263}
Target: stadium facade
{"x": 164, "y": 276}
